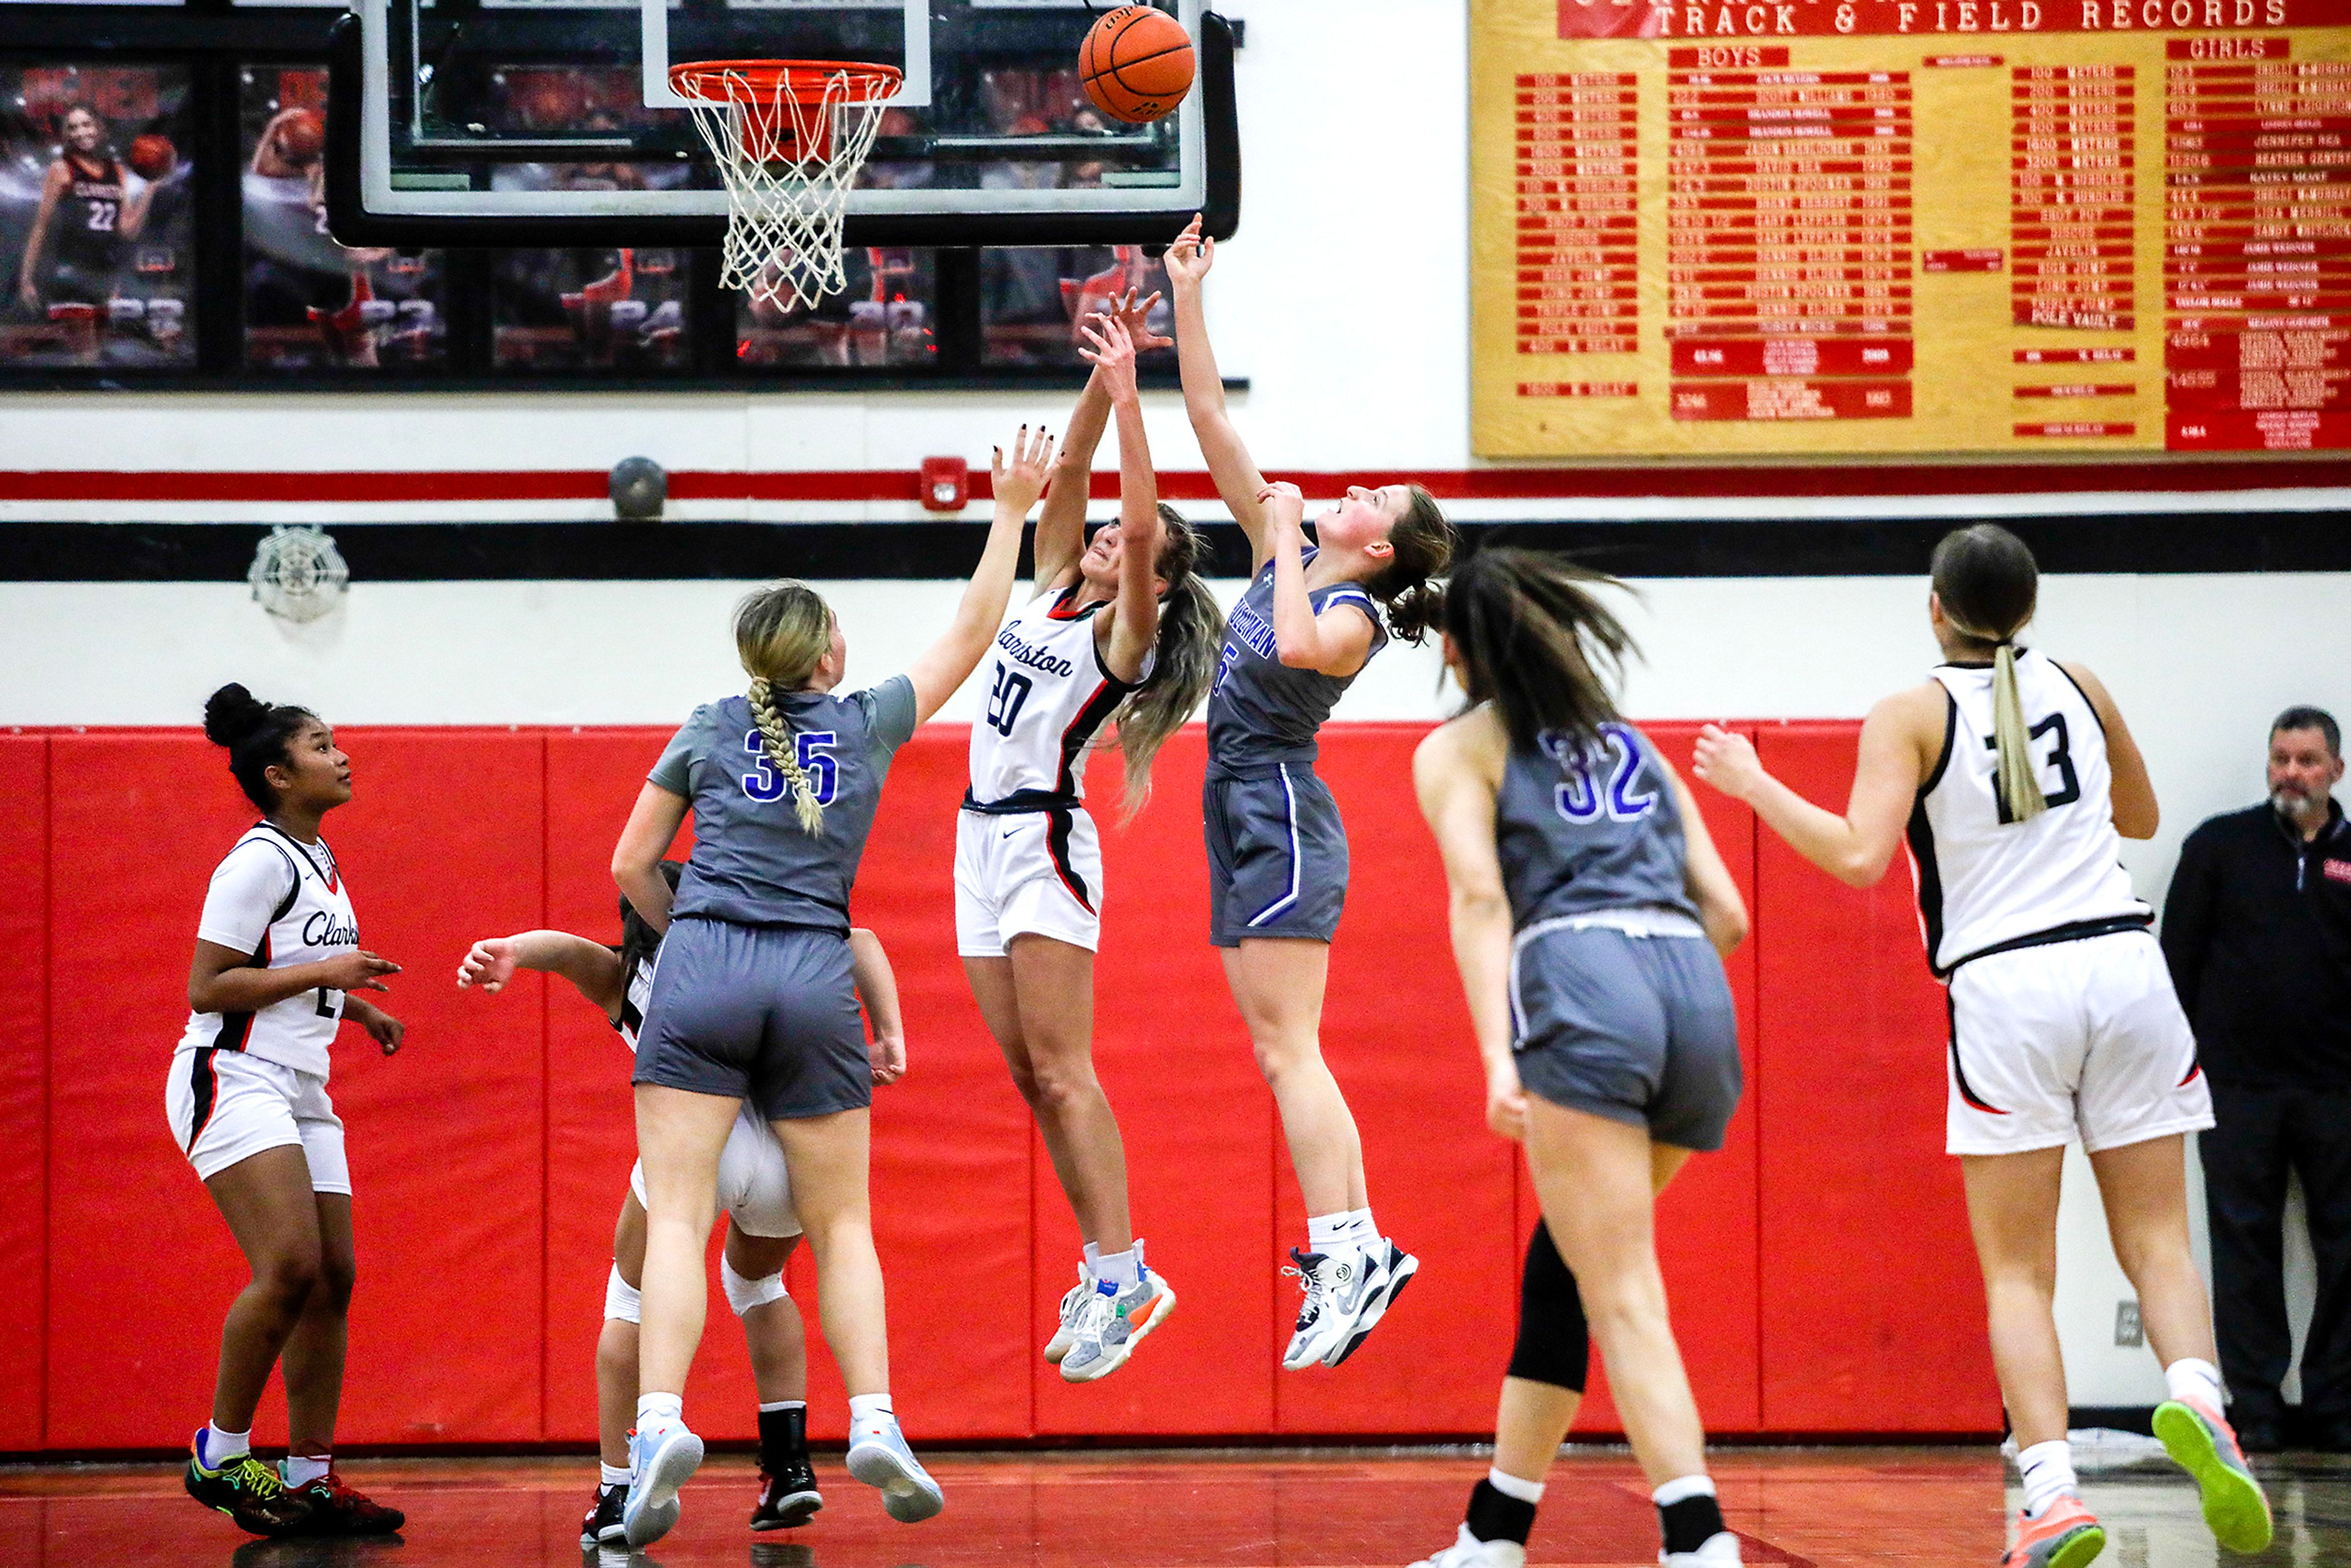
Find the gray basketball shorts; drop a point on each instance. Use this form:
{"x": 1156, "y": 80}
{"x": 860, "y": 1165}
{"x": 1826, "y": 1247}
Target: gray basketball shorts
{"x": 1277, "y": 855}
{"x": 1640, "y": 1030}
{"x": 766, "y": 1014}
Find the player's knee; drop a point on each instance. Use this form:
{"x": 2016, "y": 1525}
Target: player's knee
{"x": 743, "y": 1294}
{"x": 1555, "y": 1342}
{"x": 1059, "y": 1085}
{"x": 289, "y": 1276}
{"x": 335, "y": 1278}
{"x": 1282, "y": 1056}
{"x": 621, "y": 1298}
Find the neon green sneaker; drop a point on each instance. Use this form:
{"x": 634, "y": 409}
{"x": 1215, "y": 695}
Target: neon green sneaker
{"x": 250, "y": 1492}
{"x": 2201, "y": 1443}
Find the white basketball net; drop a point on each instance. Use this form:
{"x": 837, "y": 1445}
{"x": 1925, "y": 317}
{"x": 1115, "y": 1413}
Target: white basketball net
{"x": 789, "y": 166}
{"x": 298, "y": 574}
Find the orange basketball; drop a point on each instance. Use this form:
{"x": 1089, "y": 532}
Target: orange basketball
{"x": 301, "y": 136}
{"x": 151, "y": 156}
{"x": 1136, "y": 64}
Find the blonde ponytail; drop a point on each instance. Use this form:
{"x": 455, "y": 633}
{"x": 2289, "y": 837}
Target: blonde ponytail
{"x": 2018, "y": 781}
{"x": 781, "y": 751}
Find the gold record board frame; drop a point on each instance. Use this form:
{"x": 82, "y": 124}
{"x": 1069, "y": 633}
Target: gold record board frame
{"x": 2026, "y": 228}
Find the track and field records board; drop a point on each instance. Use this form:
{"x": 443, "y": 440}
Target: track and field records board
{"x": 1807, "y": 227}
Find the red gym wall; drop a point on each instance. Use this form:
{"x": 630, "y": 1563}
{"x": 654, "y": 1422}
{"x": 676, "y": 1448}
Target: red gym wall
{"x": 1820, "y": 1270}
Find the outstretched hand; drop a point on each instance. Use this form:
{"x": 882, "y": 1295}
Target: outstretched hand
{"x": 1726, "y": 760}
{"x": 1189, "y": 258}
{"x": 1134, "y": 315}
{"x": 1284, "y": 504}
{"x": 490, "y": 964}
{"x": 1018, "y": 481}
{"x": 1110, "y": 350}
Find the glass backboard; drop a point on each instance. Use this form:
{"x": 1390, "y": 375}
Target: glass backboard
{"x": 532, "y": 122}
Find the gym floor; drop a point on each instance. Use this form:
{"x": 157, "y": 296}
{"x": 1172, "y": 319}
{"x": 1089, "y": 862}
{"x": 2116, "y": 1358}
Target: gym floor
{"x": 1919, "y": 1507}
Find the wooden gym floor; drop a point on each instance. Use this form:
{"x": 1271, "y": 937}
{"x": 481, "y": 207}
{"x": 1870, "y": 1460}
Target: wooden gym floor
{"x": 1922, "y": 1508}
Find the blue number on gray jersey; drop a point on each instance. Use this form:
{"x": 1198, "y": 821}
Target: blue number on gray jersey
{"x": 1583, "y": 797}
{"x": 811, "y": 748}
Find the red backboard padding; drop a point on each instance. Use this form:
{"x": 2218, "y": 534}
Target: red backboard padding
{"x": 491, "y": 1156}
{"x": 23, "y": 1077}
{"x": 1872, "y": 1304}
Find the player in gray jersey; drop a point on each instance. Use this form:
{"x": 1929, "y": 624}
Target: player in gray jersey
{"x": 2014, "y": 778}
{"x": 752, "y": 997}
{"x": 1585, "y": 893}
{"x": 1309, "y": 622}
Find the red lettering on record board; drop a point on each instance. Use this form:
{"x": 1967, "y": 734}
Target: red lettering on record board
{"x": 1757, "y": 19}
{"x": 1743, "y": 356}
{"x": 2081, "y": 389}
{"x": 1776, "y": 399}
{"x": 1579, "y": 389}
{"x": 1960, "y": 260}
{"x": 2078, "y": 429}
{"x": 2074, "y": 356}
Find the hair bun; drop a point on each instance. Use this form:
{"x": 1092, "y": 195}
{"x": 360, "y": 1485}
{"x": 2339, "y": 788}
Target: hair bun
{"x": 232, "y": 713}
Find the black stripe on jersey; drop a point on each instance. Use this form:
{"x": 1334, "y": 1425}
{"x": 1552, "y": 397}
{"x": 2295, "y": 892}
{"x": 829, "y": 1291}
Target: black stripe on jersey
{"x": 203, "y": 1086}
{"x": 1058, "y": 823}
{"x": 1059, "y": 608}
{"x": 1089, "y": 718}
{"x": 2077, "y": 687}
{"x": 1921, "y": 836}
{"x": 330, "y": 876}
{"x": 1958, "y": 1072}
{"x": 1950, "y": 733}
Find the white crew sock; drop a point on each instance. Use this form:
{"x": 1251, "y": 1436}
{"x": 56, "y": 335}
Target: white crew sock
{"x": 1327, "y": 1233}
{"x": 2189, "y": 1378}
{"x": 301, "y": 1470}
{"x": 1094, "y": 1261}
{"x": 215, "y": 1448}
{"x": 1511, "y": 1486}
{"x": 1362, "y": 1229}
{"x": 869, "y": 1416}
{"x": 775, "y": 1405}
{"x": 1682, "y": 1486}
{"x": 1121, "y": 1268}
{"x": 2048, "y": 1470}
{"x": 613, "y": 1475}
{"x": 657, "y": 1413}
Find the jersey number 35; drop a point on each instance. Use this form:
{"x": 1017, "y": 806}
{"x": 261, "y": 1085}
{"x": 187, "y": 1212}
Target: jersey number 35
{"x": 811, "y": 748}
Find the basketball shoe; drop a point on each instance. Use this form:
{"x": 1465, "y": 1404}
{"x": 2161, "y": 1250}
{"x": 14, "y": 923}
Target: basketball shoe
{"x": 2064, "y": 1536}
{"x": 1114, "y": 1321}
{"x": 1338, "y": 1287}
{"x": 1398, "y": 1267}
{"x": 337, "y": 1508}
{"x": 2201, "y": 1443}
{"x": 661, "y": 1465}
{"x": 250, "y": 1492}
{"x": 1468, "y": 1552}
{"x": 788, "y": 1496}
{"x": 879, "y": 1456}
{"x": 1072, "y": 1305}
{"x": 602, "y": 1521}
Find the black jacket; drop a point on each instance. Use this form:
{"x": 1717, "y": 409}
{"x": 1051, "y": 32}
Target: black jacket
{"x": 2257, "y": 929}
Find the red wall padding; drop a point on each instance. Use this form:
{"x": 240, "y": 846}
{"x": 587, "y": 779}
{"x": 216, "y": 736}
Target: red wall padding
{"x": 491, "y": 1156}
{"x": 24, "y": 1079}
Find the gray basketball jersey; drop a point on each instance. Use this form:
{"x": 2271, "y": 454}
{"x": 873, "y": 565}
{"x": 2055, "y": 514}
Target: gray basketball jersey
{"x": 1262, "y": 712}
{"x": 1585, "y": 828}
{"x": 752, "y": 863}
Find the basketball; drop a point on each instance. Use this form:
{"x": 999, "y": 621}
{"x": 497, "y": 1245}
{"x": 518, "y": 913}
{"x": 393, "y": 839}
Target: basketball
{"x": 1136, "y": 64}
{"x": 153, "y": 156}
{"x": 301, "y": 136}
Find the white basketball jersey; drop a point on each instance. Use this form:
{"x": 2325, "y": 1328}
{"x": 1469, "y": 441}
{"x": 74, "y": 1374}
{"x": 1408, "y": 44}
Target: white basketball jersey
{"x": 1984, "y": 880}
{"x": 632, "y": 1004}
{"x": 283, "y": 903}
{"x": 1048, "y": 699}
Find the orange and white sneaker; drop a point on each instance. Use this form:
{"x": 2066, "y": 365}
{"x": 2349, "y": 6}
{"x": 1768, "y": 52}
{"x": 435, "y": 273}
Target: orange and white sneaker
{"x": 2203, "y": 1443}
{"x": 2066, "y": 1535}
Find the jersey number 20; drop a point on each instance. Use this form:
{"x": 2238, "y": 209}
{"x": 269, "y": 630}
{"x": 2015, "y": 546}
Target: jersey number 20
{"x": 811, "y": 748}
{"x": 1004, "y": 702}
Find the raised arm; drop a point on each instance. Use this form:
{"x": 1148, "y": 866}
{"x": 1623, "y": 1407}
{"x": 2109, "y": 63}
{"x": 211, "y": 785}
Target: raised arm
{"x": 1719, "y": 908}
{"x": 948, "y": 662}
{"x": 1238, "y": 481}
{"x": 1336, "y": 642}
{"x": 592, "y": 968}
{"x": 1456, "y": 772}
{"x": 1896, "y": 755}
{"x": 879, "y": 989}
{"x": 1061, "y": 524}
{"x": 653, "y": 823}
{"x": 2136, "y": 815}
{"x": 1136, "y": 625}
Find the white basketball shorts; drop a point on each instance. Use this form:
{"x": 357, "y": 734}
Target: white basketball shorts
{"x": 754, "y": 1188}
{"x": 225, "y": 1106}
{"x": 1024, "y": 873}
{"x": 2073, "y": 1038}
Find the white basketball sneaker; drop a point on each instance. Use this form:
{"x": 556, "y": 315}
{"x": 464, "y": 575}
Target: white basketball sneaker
{"x": 1072, "y": 1305}
{"x": 1339, "y": 1285}
{"x": 1468, "y": 1552}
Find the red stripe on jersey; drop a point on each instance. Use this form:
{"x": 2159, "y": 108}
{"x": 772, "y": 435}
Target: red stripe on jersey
{"x": 1089, "y": 718}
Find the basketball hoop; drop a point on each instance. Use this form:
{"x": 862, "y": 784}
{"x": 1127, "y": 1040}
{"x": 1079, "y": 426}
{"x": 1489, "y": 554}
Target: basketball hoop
{"x": 789, "y": 137}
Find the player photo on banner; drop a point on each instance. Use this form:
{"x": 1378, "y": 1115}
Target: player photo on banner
{"x": 601, "y": 309}
{"x": 96, "y": 215}
{"x": 885, "y": 316}
{"x": 1033, "y": 298}
{"x": 311, "y": 303}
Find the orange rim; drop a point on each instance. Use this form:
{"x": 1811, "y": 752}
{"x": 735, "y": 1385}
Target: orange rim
{"x": 805, "y": 81}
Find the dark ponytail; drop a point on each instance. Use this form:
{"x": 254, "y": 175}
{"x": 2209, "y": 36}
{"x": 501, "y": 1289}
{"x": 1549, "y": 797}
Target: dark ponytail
{"x": 1534, "y": 640}
{"x": 638, "y": 938}
{"x": 1191, "y": 635}
{"x": 1989, "y": 585}
{"x": 257, "y": 735}
{"x": 1424, "y": 542}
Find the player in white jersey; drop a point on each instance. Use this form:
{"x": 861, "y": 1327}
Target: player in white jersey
{"x": 755, "y": 1194}
{"x": 276, "y": 966}
{"x": 2014, "y": 780}
{"x": 1121, "y": 629}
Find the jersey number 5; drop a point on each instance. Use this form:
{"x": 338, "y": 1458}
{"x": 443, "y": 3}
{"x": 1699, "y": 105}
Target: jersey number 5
{"x": 811, "y": 748}
{"x": 2060, "y": 757}
{"x": 1004, "y": 702}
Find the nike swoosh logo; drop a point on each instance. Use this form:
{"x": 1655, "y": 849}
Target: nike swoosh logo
{"x": 1007, "y": 833}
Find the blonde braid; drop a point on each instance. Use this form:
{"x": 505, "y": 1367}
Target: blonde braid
{"x": 778, "y": 737}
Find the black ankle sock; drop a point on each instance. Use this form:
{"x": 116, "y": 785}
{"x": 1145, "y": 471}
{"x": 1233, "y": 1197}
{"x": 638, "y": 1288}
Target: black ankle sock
{"x": 783, "y": 1438}
{"x": 1496, "y": 1516}
{"x": 1689, "y": 1524}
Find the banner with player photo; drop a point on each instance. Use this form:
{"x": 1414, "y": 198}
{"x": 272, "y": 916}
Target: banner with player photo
{"x": 96, "y": 215}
